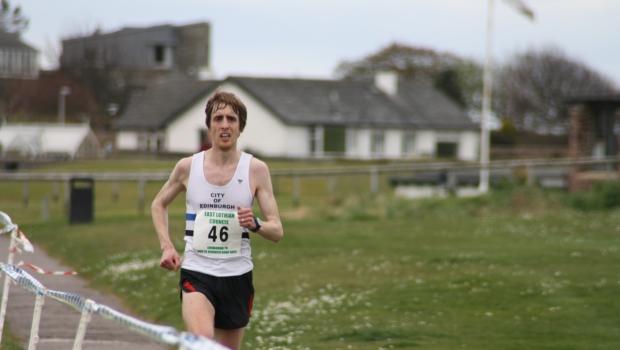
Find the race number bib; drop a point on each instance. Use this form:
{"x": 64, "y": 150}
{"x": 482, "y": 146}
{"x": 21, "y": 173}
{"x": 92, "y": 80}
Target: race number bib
{"x": 217, "y": 234}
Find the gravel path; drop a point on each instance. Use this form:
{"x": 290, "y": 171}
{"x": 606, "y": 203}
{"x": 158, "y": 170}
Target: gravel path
{"x": 59, "y": 321}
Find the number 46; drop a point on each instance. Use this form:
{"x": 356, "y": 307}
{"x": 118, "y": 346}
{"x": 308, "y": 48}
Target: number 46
{"x": 223, "y": 233}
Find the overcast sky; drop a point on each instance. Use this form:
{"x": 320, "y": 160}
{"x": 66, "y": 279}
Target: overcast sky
{"x": 307, "y": 38}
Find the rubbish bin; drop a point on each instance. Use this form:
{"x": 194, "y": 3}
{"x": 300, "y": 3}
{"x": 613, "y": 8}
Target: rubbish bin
{"x": 82, "y": 198}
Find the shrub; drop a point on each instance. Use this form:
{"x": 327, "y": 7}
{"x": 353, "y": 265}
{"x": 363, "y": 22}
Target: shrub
{"x": 603, "y": 195}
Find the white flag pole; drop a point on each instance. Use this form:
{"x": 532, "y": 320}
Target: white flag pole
{"x": 487, "y": 80}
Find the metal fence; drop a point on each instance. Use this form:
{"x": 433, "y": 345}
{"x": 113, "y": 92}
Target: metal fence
{"x": 87, "y": 307}
{"x": 532, "y": 170}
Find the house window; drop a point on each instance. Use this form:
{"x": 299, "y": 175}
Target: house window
{"x": 334, "y": 139}
{"x": 446, "y": 149}
{"x": 408, "y": 144}
{"x": 160, "y": 54}
{"x": 377, "y": 142}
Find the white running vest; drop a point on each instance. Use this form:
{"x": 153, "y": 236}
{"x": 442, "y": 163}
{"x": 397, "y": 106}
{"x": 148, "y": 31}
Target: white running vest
{"x": 202, "y": 195}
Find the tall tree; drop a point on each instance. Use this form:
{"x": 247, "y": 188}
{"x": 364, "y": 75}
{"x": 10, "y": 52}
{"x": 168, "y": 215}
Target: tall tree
{"x": 532, "y": 87}
{"x": 458, "y": 77}
{"x": 12, "y": 20}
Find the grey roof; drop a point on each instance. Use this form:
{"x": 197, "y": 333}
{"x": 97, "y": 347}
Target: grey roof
{"x": 121, "y": 32}
{"x": 305, "y": 101}
{"x": 308, "y": 102}
{"x": 12, "y": 40}
{"x": 435, "y": 108}
{"x": 348, "y": 102}
{"x": 127, "y": 31}
{"x": 154, "y": 107}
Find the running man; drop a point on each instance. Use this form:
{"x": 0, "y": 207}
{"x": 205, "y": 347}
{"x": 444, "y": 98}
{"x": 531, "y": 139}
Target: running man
{"x": 220, "y": 184}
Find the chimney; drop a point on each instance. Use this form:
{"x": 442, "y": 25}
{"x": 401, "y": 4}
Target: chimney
{"x": 387, "y": 82}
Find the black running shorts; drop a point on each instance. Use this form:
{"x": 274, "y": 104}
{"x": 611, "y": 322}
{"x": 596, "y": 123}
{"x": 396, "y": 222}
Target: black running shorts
{"x": 231, "y": 297}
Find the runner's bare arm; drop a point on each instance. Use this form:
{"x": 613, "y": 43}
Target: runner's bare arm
{"x": 176, "y": 183}
{"x": 271, "y": 226}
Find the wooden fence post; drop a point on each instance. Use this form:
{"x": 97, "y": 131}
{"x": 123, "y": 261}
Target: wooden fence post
{"x": 530, "y": 177}
{"x": 374, "y": 180}
{"x": 141, "y": 185}
{"x": 55, "y": 191}
{"x": 115, "y": 192}
{"x": 296, "y": 191}
{"x": 331, "y": 184}
{"x": 25, "y": 194}
{"x": 451, "y": 185}
{"x": 45, "y": 209}
{"x": 66, "y": 197}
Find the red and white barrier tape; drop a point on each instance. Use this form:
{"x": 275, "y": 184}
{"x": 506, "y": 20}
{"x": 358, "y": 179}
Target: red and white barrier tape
{"x": 42, "y": 271}
{"x": 25, "y": 244}
{"x": 22, "y": 240}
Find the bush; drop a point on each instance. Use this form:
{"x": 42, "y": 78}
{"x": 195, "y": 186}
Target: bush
{"x": 604, "y": 195}
{"x": 506, "y": 135}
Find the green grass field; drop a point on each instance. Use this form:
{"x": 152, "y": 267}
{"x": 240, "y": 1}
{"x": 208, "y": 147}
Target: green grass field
{"x": 518, "y": 269}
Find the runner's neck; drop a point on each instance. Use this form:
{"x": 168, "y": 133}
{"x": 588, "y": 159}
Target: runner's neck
{"x": 222, "y": 158}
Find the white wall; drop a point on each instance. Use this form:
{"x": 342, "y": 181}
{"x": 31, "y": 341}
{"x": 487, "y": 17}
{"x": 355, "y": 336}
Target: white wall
{"x": 183, "y": 134}
{"x": 351, "y": 147}
{"x": 127, "y": 140}
{"x": 468, "y": 145}
{"x": 363, "y": 140}
{"x": 359, "y": 143}
{"x": 425, "y": 143}
{"x": 447, "y": 136}
{"x": 393, "y": 143}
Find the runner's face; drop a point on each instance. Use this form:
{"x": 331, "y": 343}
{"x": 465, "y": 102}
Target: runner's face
{"x": 224, "y": 130}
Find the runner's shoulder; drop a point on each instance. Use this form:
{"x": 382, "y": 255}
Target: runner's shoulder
{"x": 181, "y": 169}
{"x": 258, "y": 167}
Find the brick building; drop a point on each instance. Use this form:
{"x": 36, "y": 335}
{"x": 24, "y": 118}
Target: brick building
{"x": 594, "y": 132}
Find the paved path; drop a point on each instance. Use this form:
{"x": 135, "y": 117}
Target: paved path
{"x": 59, "y": 321}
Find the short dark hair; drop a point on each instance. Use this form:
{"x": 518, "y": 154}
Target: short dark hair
{"x": 222, "y": 99}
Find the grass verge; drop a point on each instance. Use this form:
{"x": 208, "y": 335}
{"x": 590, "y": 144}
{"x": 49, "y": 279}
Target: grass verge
{"x": 516, "y": 269}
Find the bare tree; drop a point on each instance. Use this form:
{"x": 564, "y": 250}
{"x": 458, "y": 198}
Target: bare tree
{"x": 457, "y": 77}
{"x": 51, "y": 53}
{"x": 12, "y": 20}
{"x": 97, "y": 68}
{"x": 532, "y": 87}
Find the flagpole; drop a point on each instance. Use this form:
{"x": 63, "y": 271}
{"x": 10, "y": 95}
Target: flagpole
{"x": 487, "y": 82}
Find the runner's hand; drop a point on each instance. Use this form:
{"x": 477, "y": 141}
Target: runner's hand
{"x": 170, "y": 259}
{"x": 246, "y": 218}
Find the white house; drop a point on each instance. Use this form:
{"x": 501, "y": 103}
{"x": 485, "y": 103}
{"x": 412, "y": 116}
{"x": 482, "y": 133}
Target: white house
{"x": 17, "y": 59}
{"x": 48, "y": 140}
{"x": 305, "y": 118}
